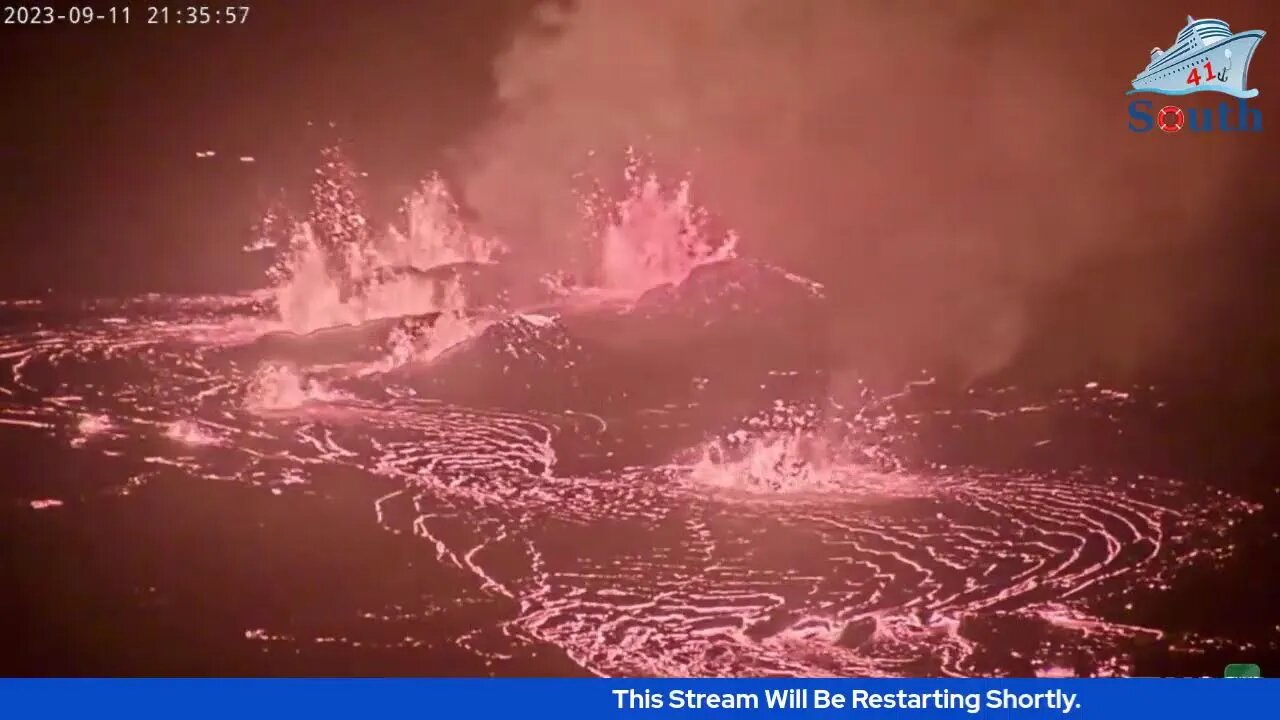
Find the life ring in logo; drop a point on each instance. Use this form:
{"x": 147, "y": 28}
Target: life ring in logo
{"x": 1171, "y": 118}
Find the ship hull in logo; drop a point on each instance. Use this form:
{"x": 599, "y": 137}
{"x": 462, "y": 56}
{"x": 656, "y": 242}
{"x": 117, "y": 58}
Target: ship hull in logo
{"x": 1205, "y": 57}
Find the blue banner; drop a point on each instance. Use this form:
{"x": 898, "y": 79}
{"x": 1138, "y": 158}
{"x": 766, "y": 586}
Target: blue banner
{"x": 1128, "y": 699}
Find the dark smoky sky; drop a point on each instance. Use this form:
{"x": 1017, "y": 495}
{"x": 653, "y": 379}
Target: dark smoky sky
{"x": 959, "y": 174}
{"x": 102, "y": 190}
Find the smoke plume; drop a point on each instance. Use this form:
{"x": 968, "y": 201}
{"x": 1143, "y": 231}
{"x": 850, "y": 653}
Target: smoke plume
{"x": 941, "y": 166}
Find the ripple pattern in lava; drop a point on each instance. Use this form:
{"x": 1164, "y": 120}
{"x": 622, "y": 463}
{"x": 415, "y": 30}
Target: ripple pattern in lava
{"x": 608, "y": 533}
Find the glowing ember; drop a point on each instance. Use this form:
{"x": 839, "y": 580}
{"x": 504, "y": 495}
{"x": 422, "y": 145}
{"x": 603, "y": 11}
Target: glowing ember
{"x": 416, "y": 342}
{"x": 280, "y": 386}
{"x": 190, "y": 432}
{"x": 90, "y": 425}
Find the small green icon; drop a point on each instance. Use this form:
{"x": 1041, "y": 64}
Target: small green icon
{"x": 1242, "y": 670}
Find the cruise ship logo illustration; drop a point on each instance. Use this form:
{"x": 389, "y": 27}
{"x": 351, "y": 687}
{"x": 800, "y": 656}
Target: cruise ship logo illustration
{"x": 1205, "y": 57}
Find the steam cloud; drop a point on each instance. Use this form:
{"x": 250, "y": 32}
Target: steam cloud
{"x": 940, "y": 166}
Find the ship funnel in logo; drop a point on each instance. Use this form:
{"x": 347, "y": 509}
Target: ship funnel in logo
{"x": 1205, "y": 57}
